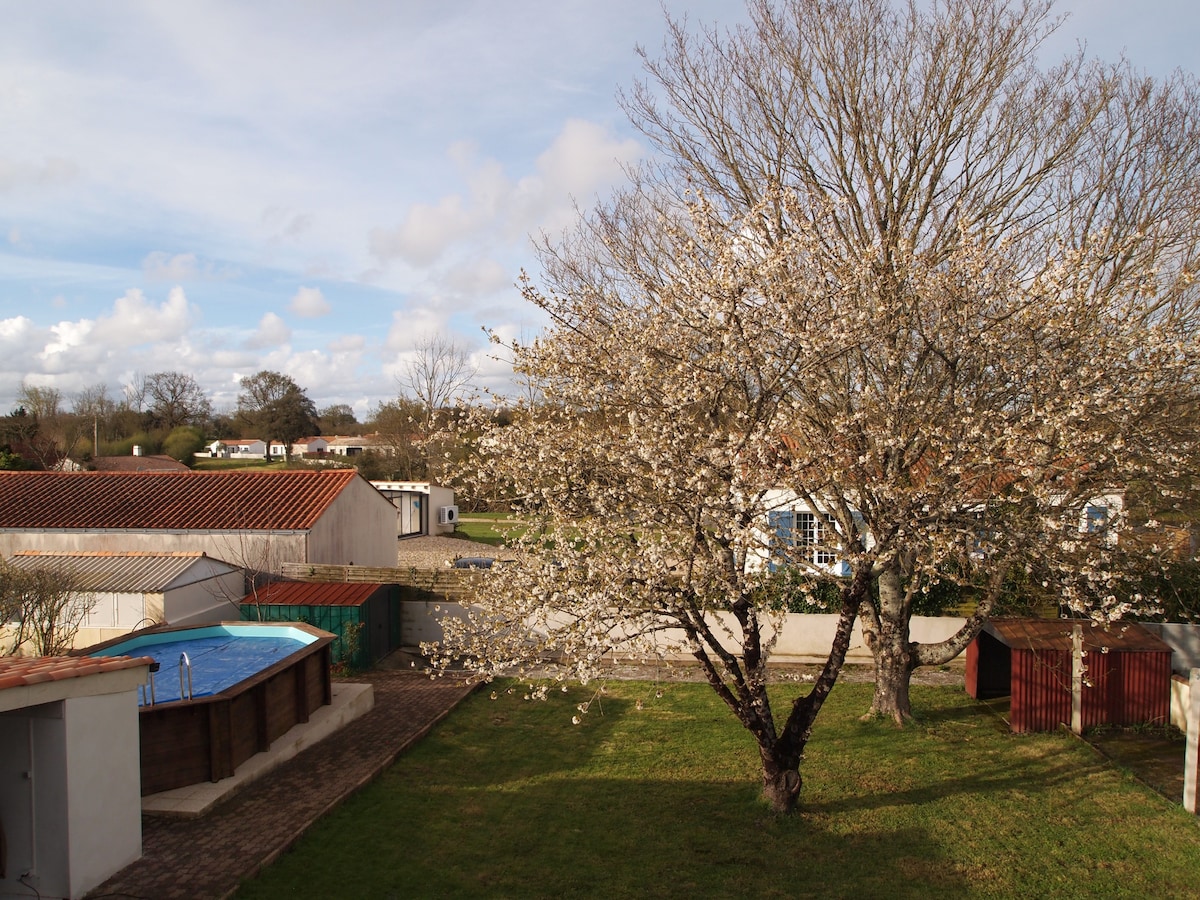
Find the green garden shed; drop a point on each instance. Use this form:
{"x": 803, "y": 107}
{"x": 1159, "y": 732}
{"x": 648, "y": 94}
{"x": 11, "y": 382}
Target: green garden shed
{"x": 364, "y": 617}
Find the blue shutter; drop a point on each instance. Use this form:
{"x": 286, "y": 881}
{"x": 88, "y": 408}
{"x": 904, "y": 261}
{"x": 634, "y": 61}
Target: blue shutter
{"x": 782, "y": 524}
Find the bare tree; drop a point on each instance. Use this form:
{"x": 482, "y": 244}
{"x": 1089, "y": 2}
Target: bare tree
{"x": 437, "y": 373}
{"x": 175, "y": 398}
{"x": 43, "y": 402}
{"x": 436, "y": 376}
{"x": 865, "y": 277}
{"x": 46, "y": 606}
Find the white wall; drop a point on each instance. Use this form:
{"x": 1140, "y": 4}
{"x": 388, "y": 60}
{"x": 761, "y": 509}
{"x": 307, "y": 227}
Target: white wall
{"x": 803, "y": 638}
{"x": 104, "y": 803}
{"x": 70, "y": 786}
{"x": 359, "y": 527}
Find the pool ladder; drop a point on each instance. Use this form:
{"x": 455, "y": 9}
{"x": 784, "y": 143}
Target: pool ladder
{"x": 185, "y": 665}
{"x": 185, "y": 680}
{"x": 153, "y": 669}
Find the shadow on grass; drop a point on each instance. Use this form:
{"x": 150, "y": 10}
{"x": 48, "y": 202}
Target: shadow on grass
{"x": 506, "y": 798}
{"x": 598, "y": 837}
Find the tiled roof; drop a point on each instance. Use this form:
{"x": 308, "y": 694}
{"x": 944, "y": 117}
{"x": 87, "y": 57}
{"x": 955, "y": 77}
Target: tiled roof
{"x": 157, "y": 463}
{"x": 313, "y": 593}
{"x": 20, "y": 671}
{"x": 117, "y": 572}
{"x": 173, "y": 501}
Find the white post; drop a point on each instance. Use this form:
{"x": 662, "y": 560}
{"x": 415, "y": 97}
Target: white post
{"x": 1191, "y": 765}
{"x": 1077, "y": 679}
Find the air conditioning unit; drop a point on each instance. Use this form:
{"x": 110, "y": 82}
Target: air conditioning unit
{"x": 447, "y": 515}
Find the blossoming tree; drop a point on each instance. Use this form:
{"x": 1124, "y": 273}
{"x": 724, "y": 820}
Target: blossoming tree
{"x": 1024, "y": 243}
{"x": 889, "y": 267}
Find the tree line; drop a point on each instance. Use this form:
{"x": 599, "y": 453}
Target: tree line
{"x": 169, "y": 413}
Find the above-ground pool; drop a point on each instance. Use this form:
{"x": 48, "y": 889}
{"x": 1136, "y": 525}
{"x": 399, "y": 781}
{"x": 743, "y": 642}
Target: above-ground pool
{"x": 250, "y": 683}
{"x": 208, "y": 660}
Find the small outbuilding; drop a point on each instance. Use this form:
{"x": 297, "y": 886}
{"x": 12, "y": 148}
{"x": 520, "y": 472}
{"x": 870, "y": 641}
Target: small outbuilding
{"x": 127, "y": 591}
{"x": 365, "y": 618}
{"x": 1126, "y": 680}
{"x": 70, "y": 789}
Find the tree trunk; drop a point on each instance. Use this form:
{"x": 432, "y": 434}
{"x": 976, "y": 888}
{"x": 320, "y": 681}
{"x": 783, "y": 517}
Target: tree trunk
{"x": 892, "y": 650}
{"x": 781, "y": 782}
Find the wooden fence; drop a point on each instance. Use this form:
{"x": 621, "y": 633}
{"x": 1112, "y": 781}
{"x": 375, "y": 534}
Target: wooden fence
{"x": 454, "y": 585}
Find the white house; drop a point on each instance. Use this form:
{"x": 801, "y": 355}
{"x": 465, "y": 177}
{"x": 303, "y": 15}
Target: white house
{"x": 311, "y": 445}
{"x": 340, "y": 445}
{"x": 70, "y": 777}
{"x": 131, "y": 590}
{"x": 246, "y": 448}
{"x": 794, "y": 527}
{"x": 422, "y": 507}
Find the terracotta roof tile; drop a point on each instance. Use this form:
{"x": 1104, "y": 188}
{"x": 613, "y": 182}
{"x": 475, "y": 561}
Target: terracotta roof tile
{"x": 221, "y": 501}
{"x": 21, "y": 671}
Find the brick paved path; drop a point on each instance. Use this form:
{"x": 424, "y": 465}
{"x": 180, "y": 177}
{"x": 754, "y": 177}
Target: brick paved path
{"x": 207, "y": 857}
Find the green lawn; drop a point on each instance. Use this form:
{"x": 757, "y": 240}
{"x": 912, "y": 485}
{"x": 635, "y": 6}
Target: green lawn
{"x": 488, "y": 528}
{"x": 507, "y": 799}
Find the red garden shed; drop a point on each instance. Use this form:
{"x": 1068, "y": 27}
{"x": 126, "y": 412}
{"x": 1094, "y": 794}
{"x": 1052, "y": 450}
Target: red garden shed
{"x": 1127, "y": 675}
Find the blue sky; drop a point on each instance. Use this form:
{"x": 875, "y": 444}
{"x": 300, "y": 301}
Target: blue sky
{"x": 313, "y": 187}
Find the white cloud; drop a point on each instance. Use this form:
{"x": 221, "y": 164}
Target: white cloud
{"x": 160, "y": 266}
{"x": 135, "y": 320}
{"x": 309, "y": 303}
{"x": 272, "y": 331}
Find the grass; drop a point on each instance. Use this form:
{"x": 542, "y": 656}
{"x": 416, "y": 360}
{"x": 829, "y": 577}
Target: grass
{"x": 488, "y": 528}
{"x": 507, "y": 799}
{"x": 236, "y": 465}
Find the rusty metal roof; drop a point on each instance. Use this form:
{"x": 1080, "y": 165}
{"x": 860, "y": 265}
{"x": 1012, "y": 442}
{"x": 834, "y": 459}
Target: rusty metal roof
{"x": 126, "y": 573}
{"x": 168, "y": 501}
{"x": 1055, "y": 634}
{"x": 313, "y": 593}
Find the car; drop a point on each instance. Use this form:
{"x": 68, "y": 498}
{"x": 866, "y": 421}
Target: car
{"x": 474, "y": 562}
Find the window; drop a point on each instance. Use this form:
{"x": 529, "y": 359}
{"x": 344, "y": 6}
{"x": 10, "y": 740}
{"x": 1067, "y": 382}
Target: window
{"x": 799, "y": 535}
{"x": 813, "y": 532}
{"x": 1095, "y": 519}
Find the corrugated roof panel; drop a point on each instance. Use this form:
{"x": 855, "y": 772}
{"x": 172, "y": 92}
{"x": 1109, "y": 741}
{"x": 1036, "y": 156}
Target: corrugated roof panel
{"x": 1055, "y": 634}
{"x": 175, "y": 501}
{"x": 313, "y": 593}
{"x": 131, "y": 573}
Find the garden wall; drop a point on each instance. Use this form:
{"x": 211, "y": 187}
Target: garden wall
{"x": 803, "y": 638}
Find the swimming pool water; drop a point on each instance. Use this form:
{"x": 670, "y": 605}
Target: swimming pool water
{"x": 217, "y": 662}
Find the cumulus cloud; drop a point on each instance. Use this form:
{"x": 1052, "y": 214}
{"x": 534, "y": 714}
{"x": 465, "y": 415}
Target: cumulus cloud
{"x": 272, "y": 331}
{"x": 309, "y": 303}
{"x": 426, "y": 232}
{"x": 135, "y": 320}
{"x": 584, "y": 158}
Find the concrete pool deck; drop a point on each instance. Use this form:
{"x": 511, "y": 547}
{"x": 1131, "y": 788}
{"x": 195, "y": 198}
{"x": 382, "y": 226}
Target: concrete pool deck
{"x": 208, "y": 855}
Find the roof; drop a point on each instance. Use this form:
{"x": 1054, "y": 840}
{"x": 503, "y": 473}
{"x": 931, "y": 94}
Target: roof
{"x": 22, "y": 671}
{"x": 1055, "y": 634}
{"x": 169, "y": 501}
{"x": 313, "y": 593}
{"x": 156, "y": 463}
{"x": 131, "y": 573}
